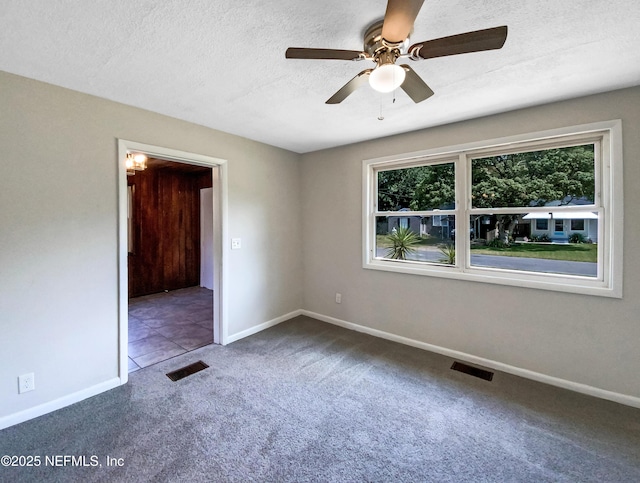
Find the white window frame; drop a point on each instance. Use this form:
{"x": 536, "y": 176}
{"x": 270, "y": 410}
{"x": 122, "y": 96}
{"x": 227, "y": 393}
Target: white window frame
{"x": 607, "y": 136}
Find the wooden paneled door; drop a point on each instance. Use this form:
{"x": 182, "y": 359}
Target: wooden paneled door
{"x": 165, "y": 246}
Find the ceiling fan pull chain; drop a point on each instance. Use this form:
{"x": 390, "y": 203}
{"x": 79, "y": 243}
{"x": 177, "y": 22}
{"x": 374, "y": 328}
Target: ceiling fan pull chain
{"x": 380, "y": 117}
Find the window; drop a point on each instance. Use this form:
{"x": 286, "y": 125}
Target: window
{"x": 542, "y": 224}
{"x": 408, "y": 188}
{"x": 577, "y": 225}
{"x": 505, "y": 195}
{"x": 559, "y": 226}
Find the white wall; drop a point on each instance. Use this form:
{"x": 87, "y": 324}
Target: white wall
{"x": 584, "y": 339}
{"x": 206, "y": 238}
{"x": 58, "y": 233}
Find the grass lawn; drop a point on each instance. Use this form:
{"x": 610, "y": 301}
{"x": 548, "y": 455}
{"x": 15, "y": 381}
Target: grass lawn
{"x": 574, "y": 252}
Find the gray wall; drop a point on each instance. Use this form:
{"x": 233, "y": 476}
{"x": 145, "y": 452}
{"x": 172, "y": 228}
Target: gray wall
{"x": 583, "y": 339}
{"x": 58, "y": 233}
{"x": 58, "y": 246}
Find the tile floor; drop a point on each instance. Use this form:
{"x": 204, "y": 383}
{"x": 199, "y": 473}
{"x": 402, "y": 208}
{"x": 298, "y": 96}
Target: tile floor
{"x": 168, "y": 324}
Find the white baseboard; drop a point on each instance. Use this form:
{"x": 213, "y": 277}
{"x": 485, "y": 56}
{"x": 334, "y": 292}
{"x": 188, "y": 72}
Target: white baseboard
{"x": 517, "y": 371}
{"x": 259, "y": 328}
{"x": 64, "y": 401}
{"x": 59, "y": 403}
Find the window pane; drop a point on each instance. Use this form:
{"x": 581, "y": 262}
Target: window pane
{"x": 552, "y": 177}
{"x": 419, "y": 188}
{"x": 519, "y": 242}
{"x": 542, "y": 225}
{"x": 577, "y": 225}
{"x": 426, "y": 239}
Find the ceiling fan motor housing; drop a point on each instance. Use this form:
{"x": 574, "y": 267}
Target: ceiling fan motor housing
{"x": 376, "y": 47}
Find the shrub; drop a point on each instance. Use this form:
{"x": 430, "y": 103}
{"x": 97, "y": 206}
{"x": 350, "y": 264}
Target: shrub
{"x": 449, "y": 254}
{"x": 576, "y": 238}
{"x": 402, "y": 242}
{"x": 497, "y": 243}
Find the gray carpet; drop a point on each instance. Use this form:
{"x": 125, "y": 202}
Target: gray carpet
{"x": 307, "y": 401}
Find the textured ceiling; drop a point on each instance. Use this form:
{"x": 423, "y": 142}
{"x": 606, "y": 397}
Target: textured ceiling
{"x": 221, "y": 63}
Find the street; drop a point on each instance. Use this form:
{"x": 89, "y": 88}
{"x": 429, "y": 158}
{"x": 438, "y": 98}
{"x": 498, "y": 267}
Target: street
{"x": 432, "y": 254}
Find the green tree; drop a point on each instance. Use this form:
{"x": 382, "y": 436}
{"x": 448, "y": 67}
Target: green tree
{"x": 396, "y": 188}
{"x": 551, "y": 176}
{"x": 417, "y": 188}
{"x": 560, "y": 176}
{"x": 436, "y": 188}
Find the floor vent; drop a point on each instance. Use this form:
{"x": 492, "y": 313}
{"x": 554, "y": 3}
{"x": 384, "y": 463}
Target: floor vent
{"x": 186, "y": 371}
{"x": 472, "y": 371}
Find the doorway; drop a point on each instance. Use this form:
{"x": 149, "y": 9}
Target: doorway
{"x": 170, "y": 304}
{"x": 166, "y": 289}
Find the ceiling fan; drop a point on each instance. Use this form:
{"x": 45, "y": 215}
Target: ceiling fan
{"x": 387, "y": 41}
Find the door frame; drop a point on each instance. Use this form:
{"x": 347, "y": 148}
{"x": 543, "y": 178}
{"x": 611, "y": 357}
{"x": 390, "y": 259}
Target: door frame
{"x": 220, "y": 252}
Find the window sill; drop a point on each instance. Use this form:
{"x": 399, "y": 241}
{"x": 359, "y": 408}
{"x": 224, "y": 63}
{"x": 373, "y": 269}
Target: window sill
{"x": 512, "y": 278}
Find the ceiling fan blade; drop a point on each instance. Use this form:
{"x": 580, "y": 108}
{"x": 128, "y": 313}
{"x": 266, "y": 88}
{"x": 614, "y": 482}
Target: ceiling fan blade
{"x": 487, "y": 39}
{"x": 350, "y": 87}
{"x": 326, "y": 54}
{"x": 399, "y": 19}
{"x": 414, "y": 86}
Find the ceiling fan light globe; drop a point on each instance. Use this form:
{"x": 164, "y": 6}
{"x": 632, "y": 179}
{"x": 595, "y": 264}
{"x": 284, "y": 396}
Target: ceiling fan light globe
{"x": 387, "y": 77}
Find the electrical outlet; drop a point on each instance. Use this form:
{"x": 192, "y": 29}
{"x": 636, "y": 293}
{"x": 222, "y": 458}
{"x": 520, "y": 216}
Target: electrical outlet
{"x": 236, "y": 243}
{"x": 26, "y": 382}
{"x": 338, "y": 298}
